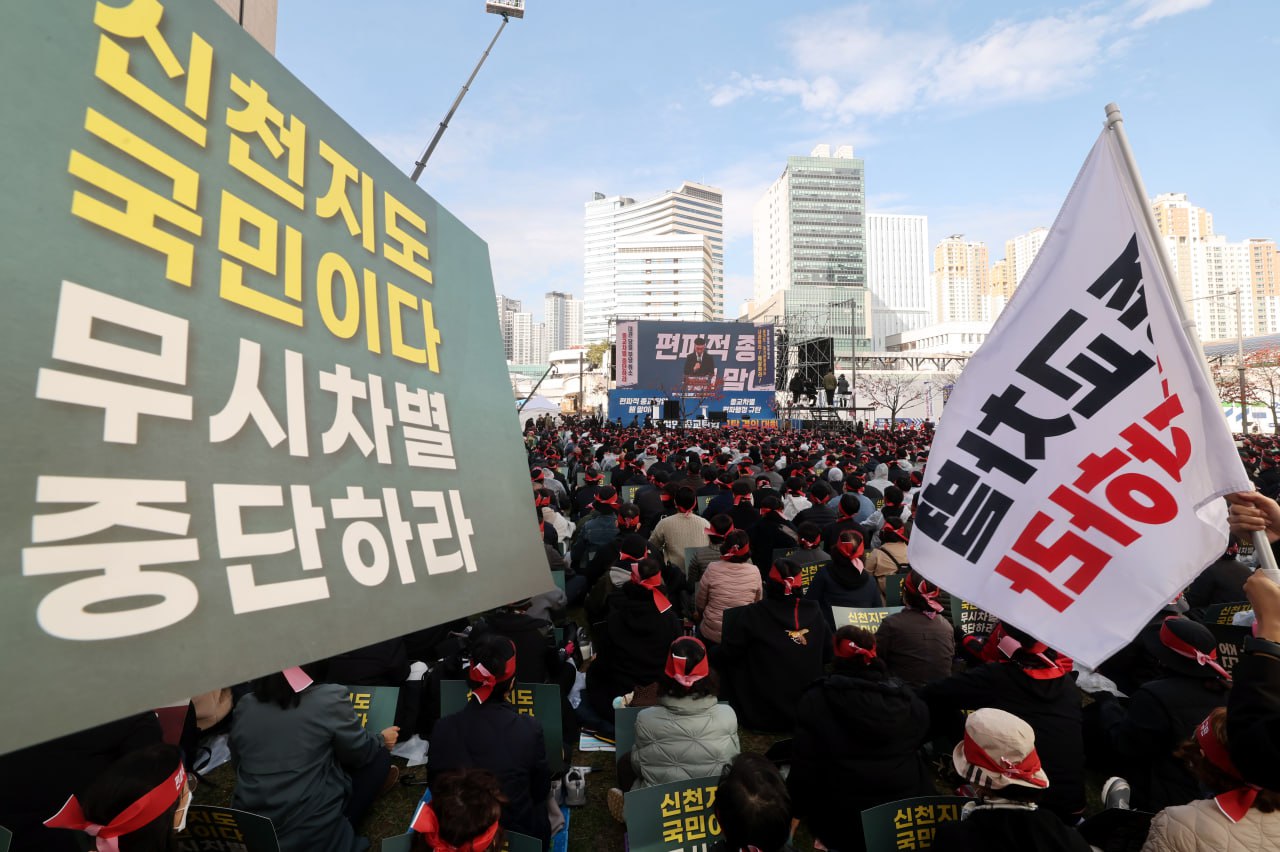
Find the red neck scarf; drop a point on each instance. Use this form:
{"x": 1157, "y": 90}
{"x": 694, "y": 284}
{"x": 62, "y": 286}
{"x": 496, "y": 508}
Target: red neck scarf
{"x": 483, "y": 681}
{"x": 426, "y": 823}
{"x": 789, "y": 584}
{"x": 847, "y": 649}
{"x": 652, "y": 584}
{"x": 1185, "y": 649}
{"x": 151, "y": 806}
{"x": 1023, "y": 770}
{"x": 678, "y": 668}
{"x": 1234, "y": 804}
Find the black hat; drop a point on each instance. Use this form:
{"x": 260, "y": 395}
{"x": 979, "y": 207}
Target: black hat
{"x": 1185, "y": 647}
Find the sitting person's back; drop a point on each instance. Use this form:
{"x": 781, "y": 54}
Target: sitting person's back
{"x": 490, "y": 734}
{"x": 464, "y": 813}
{"x": 845, "y": 581}
{"x": 916, "y": 644}
{"x": 732, "y": 581}
{"x": 753, "y": 807}
{"x": 771, "y": 650}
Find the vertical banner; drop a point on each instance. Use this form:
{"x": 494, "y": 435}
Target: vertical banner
{"x": 1075, "y": 485}
{"x": 625, "y": 347}
{"x": 256, "y": 404}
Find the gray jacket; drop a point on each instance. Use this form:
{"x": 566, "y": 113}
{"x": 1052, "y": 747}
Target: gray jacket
{"x": 290, "y": 765}
{"x": 684, "y": 738}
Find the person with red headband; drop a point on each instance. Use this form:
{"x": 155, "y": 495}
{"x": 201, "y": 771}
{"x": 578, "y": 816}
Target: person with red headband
{"x": 917, "y": 644}
{"x": 1141, "y": 735}
{"x": 997, "y": 757}
{"x": 631, "y": 645}
{"x": 845, "y": 582}
{"x": 688, "y": 734}
{"x": 701, "y": 558}
{"x": 819, "y": 511}
{"x": 771, "y": 650}
{"x": 463, "y": 814}
{"x": 307, "y": 763}
{"x": 681, "y": 531}
{"x": 1034, "y": 683}
{"x": 597, "y": 529}
{"x": 888, "y": 555}
{"x": 488, "y": 733}
{"x": 772, "y": 532}
{"x": 137, "y": 805}
{"x": 584, "y": 496}
{"x": 857, "y": 743}
{"x": 730, "y": 581}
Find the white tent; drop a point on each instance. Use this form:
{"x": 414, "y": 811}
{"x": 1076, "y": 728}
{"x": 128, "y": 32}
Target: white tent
{"x": 537, "y": 406}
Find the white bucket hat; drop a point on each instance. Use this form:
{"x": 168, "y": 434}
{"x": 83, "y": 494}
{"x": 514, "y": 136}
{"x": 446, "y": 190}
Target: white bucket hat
{"x": 999, "y": 749}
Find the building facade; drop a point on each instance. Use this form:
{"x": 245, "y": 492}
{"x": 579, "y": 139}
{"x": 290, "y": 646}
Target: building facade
{"x": 809, "y": 250}
{"x": 961, "y": 280}
{"x": 897, "y": 275}
{"x": 562, "y": 316}
{"x": 507, "y": 309}
{"x": 613, "y": 278}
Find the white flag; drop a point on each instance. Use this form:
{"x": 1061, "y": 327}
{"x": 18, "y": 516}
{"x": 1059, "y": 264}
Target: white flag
{"x": 1074, "y": 486}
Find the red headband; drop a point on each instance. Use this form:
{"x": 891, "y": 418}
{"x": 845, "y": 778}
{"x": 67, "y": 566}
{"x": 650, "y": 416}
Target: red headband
{"x": 612, "y": 501}
{"x": 738, "y": 550}
{"x": 847, "y": 649}
{"x": 150, "y": 807}
{"x": 851, "y": 551}
{"x": 652, "y": 584}
{"x": 1183, "y": 648}
{"x": 1023, "y": 770}
{"x": 926, "y": 591}
{"x": 541, "y": 501}
{"x": 1234, "y": 804}
{"x": 483, "y": 687}
{"x": 426, "y": 823}
{"x": 810, "y": 543}
{"x": 627, "y": 557}
{"x": 789, "y": 584}
{"x": 678, "y": 667}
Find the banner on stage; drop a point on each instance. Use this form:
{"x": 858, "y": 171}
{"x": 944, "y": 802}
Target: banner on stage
{"x": 695, "y": 360}
{"x": 1075, "y": 485}
{"x": 638, "y": 404}
{"x": 243, "y": 354}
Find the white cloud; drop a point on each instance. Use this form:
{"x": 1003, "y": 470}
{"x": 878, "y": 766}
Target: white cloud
{"x": 856, "y": 68}
{"x": 1155, "y": 10}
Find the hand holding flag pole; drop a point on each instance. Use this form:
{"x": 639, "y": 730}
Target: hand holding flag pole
{"x": 1115, "y": 124}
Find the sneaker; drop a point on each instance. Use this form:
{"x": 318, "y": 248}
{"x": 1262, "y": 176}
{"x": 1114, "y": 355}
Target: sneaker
{"x": 575, "y": 788}
{"x": 1115, "y": 793}
{"x": 616, "y": 800}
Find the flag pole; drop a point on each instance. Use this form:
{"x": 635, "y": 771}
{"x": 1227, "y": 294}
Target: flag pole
{"x": 1115, "y": 124}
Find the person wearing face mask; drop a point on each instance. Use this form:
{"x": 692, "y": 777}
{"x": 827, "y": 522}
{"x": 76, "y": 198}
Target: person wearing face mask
{"x": 845, "y": 582}
{"x": 137, "y": 805}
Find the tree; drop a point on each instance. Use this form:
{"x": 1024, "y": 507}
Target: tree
{"x": 595, "y": 353}
{"x": 894, "y": 391}
{"x": 1261, "y": 383}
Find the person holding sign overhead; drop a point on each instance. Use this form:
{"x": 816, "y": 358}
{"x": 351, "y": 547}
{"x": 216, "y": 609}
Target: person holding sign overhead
{"x": 857, "y": 743}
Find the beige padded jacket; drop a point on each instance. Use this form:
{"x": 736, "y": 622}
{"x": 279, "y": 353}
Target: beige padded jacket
{"x": 1201, "y": 827}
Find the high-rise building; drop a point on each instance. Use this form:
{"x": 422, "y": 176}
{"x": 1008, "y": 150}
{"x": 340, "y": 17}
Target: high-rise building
{"x": 1264, "y": 285}
{"x": 529, "y": 340}
{"x": 1007, "y": 274}
{"x": 1182, "y": 224}
{"x": 507, "y": 308}
{"x": 961, "y": 280}
{"x": 810, "y": 251}
{"x": 898, "y": 275}
{"x": 619, "y": 235}
{"x": 562, "y": 316}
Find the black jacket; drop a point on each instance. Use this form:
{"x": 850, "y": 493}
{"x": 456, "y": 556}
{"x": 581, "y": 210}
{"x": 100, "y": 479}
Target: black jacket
{"x": 1253, "y": 715}
{"x": 632, "y": 648}
{"x": 769, "y": 652}
{"x": 1222, "y": 582}
{"x": 822, "y": 514}
{"x": 494, "y": 736}
{"x": 1143, "y": 735}
{"x": 773, "y": 532}
{"x": 1008, "y": 830}
{"x": 842, "y": 584}
{"x": 1050, "y": 706}
{"x": 857, "y": 745}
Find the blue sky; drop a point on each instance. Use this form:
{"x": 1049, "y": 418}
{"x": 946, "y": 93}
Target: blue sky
{"x": 977, "y": 113}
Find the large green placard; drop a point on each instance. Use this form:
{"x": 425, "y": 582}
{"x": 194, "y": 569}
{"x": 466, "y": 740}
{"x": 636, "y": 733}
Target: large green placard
{"x": 256, "y": 406}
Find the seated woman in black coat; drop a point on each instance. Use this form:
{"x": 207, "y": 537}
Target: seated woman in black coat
{"x": 845, "y": 582}
{"x": 631, "y": 649}
{"x": 489, "y": 734}
{"x": 771, "y": 650}
{"x": 857, "y": 743}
